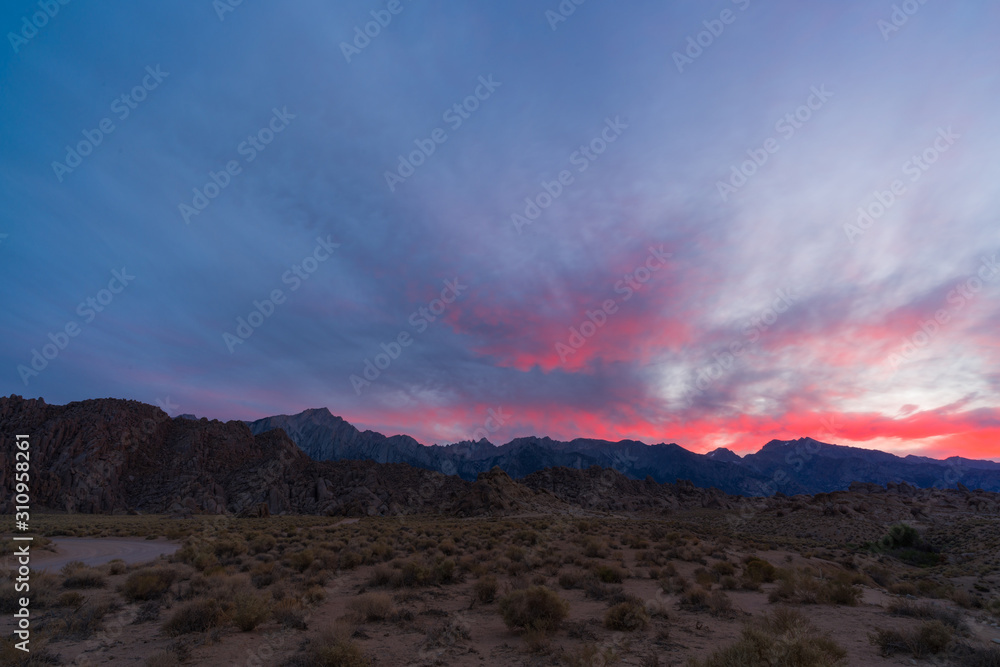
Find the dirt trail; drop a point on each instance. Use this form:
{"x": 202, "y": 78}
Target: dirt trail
{"x": 100, "y": 550}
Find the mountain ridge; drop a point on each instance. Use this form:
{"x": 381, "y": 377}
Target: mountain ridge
{"x": 786, "y": 466}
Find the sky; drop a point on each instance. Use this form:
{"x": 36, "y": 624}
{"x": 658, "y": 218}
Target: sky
{"x": 708, "y": 223}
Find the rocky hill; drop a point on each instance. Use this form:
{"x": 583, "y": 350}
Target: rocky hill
{"x": 795, "y": 466}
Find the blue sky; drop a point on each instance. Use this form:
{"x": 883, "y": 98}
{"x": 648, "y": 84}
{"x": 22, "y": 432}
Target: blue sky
{"x": 855, "y": 353}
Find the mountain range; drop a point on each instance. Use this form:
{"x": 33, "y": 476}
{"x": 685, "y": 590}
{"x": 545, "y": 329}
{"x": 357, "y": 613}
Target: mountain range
{"x": 790, "y": 467}
{"x": 121, "y": 456}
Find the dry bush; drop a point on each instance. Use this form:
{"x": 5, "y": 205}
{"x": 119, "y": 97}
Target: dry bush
{"x": 290, "y": 613}
{"x": 78, "y": 623}
{"x": 609, "y": 574}
{"x": 148, "y": 584}
{"x": 571, "y": 578}
{"x": 332, "y": 649}
{"x": 928, "y": 611}
{"x": 262, "y": 544}
{"x": 369, "y": 607}
{"x": 79, "y": 575}
{"x": 930, "y": 637}
{"x": 627, "y": 616}
{"x": 162, "y": 659}
{"x": 758, "y": 571}
{"x": 782, "y": 638}
{"x": 590, "y": 655}
{"x": 535, "y": 608}
{"x": 195, "y": 616}
{"x": 70, "y": 599}
{"x": 116, "y": 567}
{"x": 249, "y": 610}
{"x": 485, "y": 589}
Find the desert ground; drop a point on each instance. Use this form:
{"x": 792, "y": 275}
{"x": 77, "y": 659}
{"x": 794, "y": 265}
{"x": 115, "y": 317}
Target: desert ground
{"x": 697, "y": 587}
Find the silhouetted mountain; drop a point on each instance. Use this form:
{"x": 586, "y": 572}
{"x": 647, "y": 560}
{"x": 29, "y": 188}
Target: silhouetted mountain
{"x": 796, "y": 466}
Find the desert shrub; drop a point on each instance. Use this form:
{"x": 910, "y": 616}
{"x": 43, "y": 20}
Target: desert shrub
{"x": 626, "y": 616}
{"x": 902, "y": 588}
{"x": 782, "y": 638}
{"x": 300, "y": 560}
{"x": 485, "y": 589}
{"x": 11, "y": 656}
{"x": 372, "y": 607}
{"x": 315, "y": 594}
{"x": 695, "y": 599}
{"x": 704, "y": 577}
{"x": 196, "y": 616}
{"x": 79, "y": 623}
{"x": 905, "y": 543}
{"x": 609, "y": 574}
{"x": 117, "y": 566}
{"x": 590, "y": 655}
{"x": 79, "y": 575}
{"x": 263, "y": 575}
{"x": 759, "y": 571}
{"x": 148, "y": 584}
{"x": 570, "y": 579}
{"x": 968, "y": 655}
{"x": 289, "y": 613}
{"x": 249, "y": 611}
{"x": 949, "y": 617}
{"x": 70, "y": 599}
{"x": 719, "y": 604}
{"x": 930, "y": 637}
{"x": 229, "y": 547}
{"x": 332, "y": 650}
{"x": 162, "y": 659}
{"x": 262, "y": 544}
{"x": 724, "y": 568}
{"x": 535, "y": 608}
{"x": 839, "y": 592}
